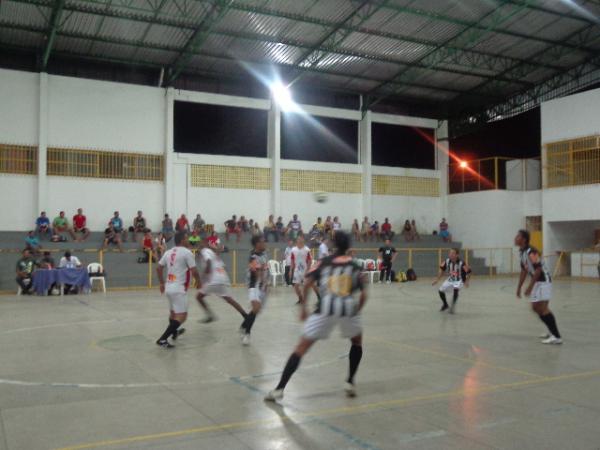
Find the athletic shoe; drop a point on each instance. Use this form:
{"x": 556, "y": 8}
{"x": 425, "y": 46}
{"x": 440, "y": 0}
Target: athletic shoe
{"x": 178, "y": 333}
{"x": 350, "y": 390}
{"x": 274, "y": 395}
{"x": 544, "y": 335}
{"x": 388, "y": 282}
{"x": 246, "y": 339}
{"x": 209, "y": 319}
{"x": 552, "y": 340}
{"x": 444, "y": 307}
{"x": 164, "y": 343}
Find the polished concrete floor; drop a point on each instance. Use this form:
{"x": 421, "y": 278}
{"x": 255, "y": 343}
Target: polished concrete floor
{"x": 83, "y": 372}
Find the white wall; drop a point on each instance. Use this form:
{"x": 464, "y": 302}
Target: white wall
{"x": 18, "y": 192}
{"x": 426, "y": 211}
{"x": 19, "y": 107}
{"x": 573, "y": 116}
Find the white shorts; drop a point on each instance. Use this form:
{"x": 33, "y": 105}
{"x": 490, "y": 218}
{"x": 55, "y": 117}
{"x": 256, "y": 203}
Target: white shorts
{"x": 447, "y": 285}
{"x": 542, "y": 291}
{"x": 220, "y": 290}
{"x": 257, "y": 295}
{"x": 319, "y": 326}
{"x": 178, "y": 302}
{"x": 298, "y": 277}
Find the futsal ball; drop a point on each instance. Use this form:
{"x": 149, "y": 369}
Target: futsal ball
{"x": 320, "y": 197}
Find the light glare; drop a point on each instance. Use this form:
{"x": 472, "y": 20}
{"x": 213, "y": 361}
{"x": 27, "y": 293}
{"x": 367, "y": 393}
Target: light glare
{"x": 283, "y": 97}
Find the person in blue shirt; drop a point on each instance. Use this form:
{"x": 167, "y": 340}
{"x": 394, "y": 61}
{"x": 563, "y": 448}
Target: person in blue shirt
{"x": 117, "y": 224}
{"x": 32, "y": 243}
{"x": 42, "y": 225}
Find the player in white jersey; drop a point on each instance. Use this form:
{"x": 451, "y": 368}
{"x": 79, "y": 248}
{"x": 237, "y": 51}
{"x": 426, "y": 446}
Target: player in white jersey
{"x": 180, "y": 266}
{"x": 301, "y": 262}
{"x": 338, "y": 278}
{"x": 323, "y": 249}
{"x": 458, "y": 275}
{"x": 214, "y": 280}
{"x": 539, "y": 290}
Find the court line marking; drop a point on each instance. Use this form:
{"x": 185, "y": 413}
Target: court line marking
{"x": 356, "y": 409}
{"x": 452, "y": 357}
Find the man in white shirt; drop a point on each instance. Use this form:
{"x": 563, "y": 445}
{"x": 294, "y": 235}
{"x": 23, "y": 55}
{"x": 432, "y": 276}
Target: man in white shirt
{"x": 69, "y": 261}
{"x": 323, "y": 249}
{"x": 301, "y": 262}
{"x": 287, "y": 259}
{"x": 180, "y": 267}
{"x": 215, "y": 280}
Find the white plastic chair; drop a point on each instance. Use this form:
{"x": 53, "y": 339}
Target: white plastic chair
{"x": 370, "y": 272}
{"x": 275, "y": 271}
{"x": 96, "y": 268}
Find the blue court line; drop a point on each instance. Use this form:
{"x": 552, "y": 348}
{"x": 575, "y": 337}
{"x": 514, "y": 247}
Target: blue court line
{"x": 345, "y": 434}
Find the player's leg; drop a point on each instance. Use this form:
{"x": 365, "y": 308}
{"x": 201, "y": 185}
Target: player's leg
{"x": 290, "y": 367}
{"x": 298, "y": 289}
{"x": 388, "y": 271}
{"x": 202, "y": 294}
{"x": 542, "y": 309}
{"x": 354, "y": 357}
{"x": 178, "y": 315}
{"x": 235, "y": 305}
{"x": 442, "y": 293}
{"x": 256, "y": 299}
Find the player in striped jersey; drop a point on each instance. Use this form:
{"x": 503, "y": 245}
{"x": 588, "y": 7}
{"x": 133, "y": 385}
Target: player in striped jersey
{"x": 338, "y": 278}
{"x": 258, "y": 282}
{"x": 301, "y": 260}
{"x": 458, "y": 275}
{"x": 181, "y": 267}
{"x": 539, "y": 289}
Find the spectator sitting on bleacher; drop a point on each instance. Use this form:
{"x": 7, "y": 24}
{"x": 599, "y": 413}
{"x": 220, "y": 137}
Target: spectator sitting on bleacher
{"x": 80, "y": 225}
{"x": 117, "y": 225}
{"x": 356, "y": 230}
{"x": 32, "y": 243}
{"x": 375, "y": 231}
{"x": 328, "y": 226}
{"x": 336, "y": 226}
{"x": 182, "y": 224}
{"x": 213, "y": 240}
{"x": 416, "y": 234}
{"x": 194, "y": 239}
{"x": 280, "y": 227}
{"x": 25, "y": 267}
{"x": 407, "y": 231}
{"x": 444, "y": 231}
{"x": 294, "y": 227}
{"x": 256, "y": 231}
{"x": 60, "y": 224}
{"x": 365, "y": 229}
{"x": 199, "y": 225}
{"x": 148, "y": 248}
{"x": 167, "y": 228}
{"x": 386, "y": 230}
{"x": 42, "y": 225}
{"x": 111, "y": 237}
{"x": 139, "y": 226}
{"x": 243, "y": 225}
{"x": 320, "y": 226}
{"x": 160, "y": 245}
{"x": 269, "y": 228}
{"x": 231, "y": 227}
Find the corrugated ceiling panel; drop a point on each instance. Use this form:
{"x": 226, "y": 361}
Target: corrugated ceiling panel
{"x": 175, "y": 37}
{"x": 112, "y": 50}
{"x": 382, "y": 70}
{"x": 279, "y": 53}
{"x": 389, "y": 48}
{"x": 254, "y": 23}
{"x": 406, "y": 24}
{"x": 82, "y": 23}
{"x": 155, "y": 56}
{"x": 21, "y": 38}
{"x": 217, "y": 43}
{"x": 189, "y": 12}
{"x": 72, "y": 45}
{"x": 122, "y": 29}
{"x": 333, "y": 10}
{"x": 24, "y": 14}
{"x": 343, "y": 63}
{"x": 306, "y": 32}
{"x": 202, "y": 62}
{"x": 459, "y": 9}
{"x": 438, "y": 31}
{"x": 295, "y": 7}
{"x": 362, "y": 85}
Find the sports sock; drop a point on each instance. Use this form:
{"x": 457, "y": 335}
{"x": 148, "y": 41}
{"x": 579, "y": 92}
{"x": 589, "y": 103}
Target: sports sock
{"x": 290, "y": 367}
{"x": 550, "y": 322}
{"x": 443, "y": 297}
{"x": 172, "y": 328}
{"x": 354, "y": 357}
{"x": 249, "y": 321}
{"x": 455, "y": 296}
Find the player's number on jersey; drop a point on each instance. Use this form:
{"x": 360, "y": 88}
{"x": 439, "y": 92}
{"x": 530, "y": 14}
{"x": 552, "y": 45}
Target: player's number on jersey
{"x": 340, "y": 285}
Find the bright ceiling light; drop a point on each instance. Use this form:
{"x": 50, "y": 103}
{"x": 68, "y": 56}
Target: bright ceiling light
{"x": 283, "y": 97}
{"x": 464, "y": 165}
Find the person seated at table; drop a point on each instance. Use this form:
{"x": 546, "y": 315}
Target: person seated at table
{"x": 69, "y": 262}
{"x": 117, "y": 226}
{"x": 60, "y": 224}
{"x": 139, "y": 226}
{"x": 47, "y": 263}
{"x": 80, "y": 225}
{"x": 167, "y": 228}
{"x": 32, "y": 243}
{"x": 42, "y": 225}
{"x": 111, "y": 237}
{"x": 25, "y": 266}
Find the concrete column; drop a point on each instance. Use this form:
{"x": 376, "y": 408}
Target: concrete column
{"x": 365, "y": 159}
{"x": 442, "y": 159}
{"x": 274, "y": 152}
{"x": 169, "y": 153}
{"x": 42, "y": 184}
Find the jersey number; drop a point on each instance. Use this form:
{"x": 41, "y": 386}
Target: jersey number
{"x": 340, "y": 285}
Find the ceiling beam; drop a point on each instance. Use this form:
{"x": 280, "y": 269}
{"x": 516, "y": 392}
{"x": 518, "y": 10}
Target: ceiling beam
{"x": 53, "y": 25}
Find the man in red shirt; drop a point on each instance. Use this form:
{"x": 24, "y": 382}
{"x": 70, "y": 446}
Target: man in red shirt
{"x": 182, "y": 224}
{"x": 80, "y": 225}
{"x": 386, "y": 230}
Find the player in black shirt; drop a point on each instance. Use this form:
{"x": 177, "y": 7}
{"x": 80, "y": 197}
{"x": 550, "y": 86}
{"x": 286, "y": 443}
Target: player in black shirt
{"x": 338, "y": 277}
{"x": 388, "y": 255}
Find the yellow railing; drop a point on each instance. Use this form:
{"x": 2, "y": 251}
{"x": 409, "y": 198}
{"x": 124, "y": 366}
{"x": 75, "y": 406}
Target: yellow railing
{"x": 18, "y": 159}
{"x": 104, "y": 164}
{"x": 573, "y": 162}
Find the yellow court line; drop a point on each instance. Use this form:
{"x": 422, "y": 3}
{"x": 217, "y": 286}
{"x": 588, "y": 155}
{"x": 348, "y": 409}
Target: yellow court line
{"x": 335, "y": 411}
{"x": 456, "y": 358}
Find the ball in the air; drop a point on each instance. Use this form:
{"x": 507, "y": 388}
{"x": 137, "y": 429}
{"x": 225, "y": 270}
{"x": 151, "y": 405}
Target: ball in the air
{"x": 320, "y": 197}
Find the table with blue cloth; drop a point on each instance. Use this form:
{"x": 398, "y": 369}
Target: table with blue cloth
{"x": 43, "y": 279}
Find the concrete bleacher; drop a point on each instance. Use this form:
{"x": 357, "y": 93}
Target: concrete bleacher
{"x": 123, "y": 270}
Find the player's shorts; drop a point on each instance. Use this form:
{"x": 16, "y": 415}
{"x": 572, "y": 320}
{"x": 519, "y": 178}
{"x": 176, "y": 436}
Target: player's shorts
{"x": 542, "y": 291}
{"x": 298, "y": 277}
{"x": 319, "y": 326}
{"x": 220, "y": 290}
{"x": 178, "y": 302}
{"x": 447, "y": 285}
{"x": 257, "y": 295}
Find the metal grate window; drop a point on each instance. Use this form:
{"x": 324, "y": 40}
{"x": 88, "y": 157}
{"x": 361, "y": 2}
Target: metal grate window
{"x": 402, "y": 185}
{"x": 18, "y": 159}
{"x": 573, "y": 162}
{"x": 314, "y": 181}
{"x": 101, "y": 164}
{"x": 231, "y": 177}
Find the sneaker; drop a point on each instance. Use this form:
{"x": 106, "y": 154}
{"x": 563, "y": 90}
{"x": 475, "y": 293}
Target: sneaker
{"x": 544, "y": 335}
{"x": 209, "y": 319}
{"x": 164, "y": 343}
{"x": 350, "y": 390}
{"x": 274, "y": 395}
{"x": 444, "y": 307}
{"x": 246, "y": 339}
{"x": 552, "y": 340}
{"x": 452, "y": 308}
{"x": 178, "y": 333}
{"x": 388, "y": 282}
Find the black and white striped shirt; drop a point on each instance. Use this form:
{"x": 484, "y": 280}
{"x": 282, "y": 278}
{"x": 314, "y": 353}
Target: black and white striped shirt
{"x": 456, "y": 269}
{"x": 531, "y": 260}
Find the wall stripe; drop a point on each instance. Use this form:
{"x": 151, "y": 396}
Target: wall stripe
{"x": 406, "y": 186}
{"x": 230, "y": 177}
{"x": 315, "y": 181}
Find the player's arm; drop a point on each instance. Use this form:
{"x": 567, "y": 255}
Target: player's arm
{"x": 522, "y": 278}
{"x": 394, "y": 254}
{"x": 196, "y": 277}
{"x": 466, "y": 274}
{"x": 160, "y": 275}
{"x": 292, "y": 266}
{"x": 362, "y": 299}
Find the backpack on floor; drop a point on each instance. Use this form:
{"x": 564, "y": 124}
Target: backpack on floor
{"x": 411, "y": 275}
{"x": 401, "y": 277}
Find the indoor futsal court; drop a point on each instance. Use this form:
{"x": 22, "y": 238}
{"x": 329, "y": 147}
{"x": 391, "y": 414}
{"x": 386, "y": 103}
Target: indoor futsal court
{"x": 308, "y": 224}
